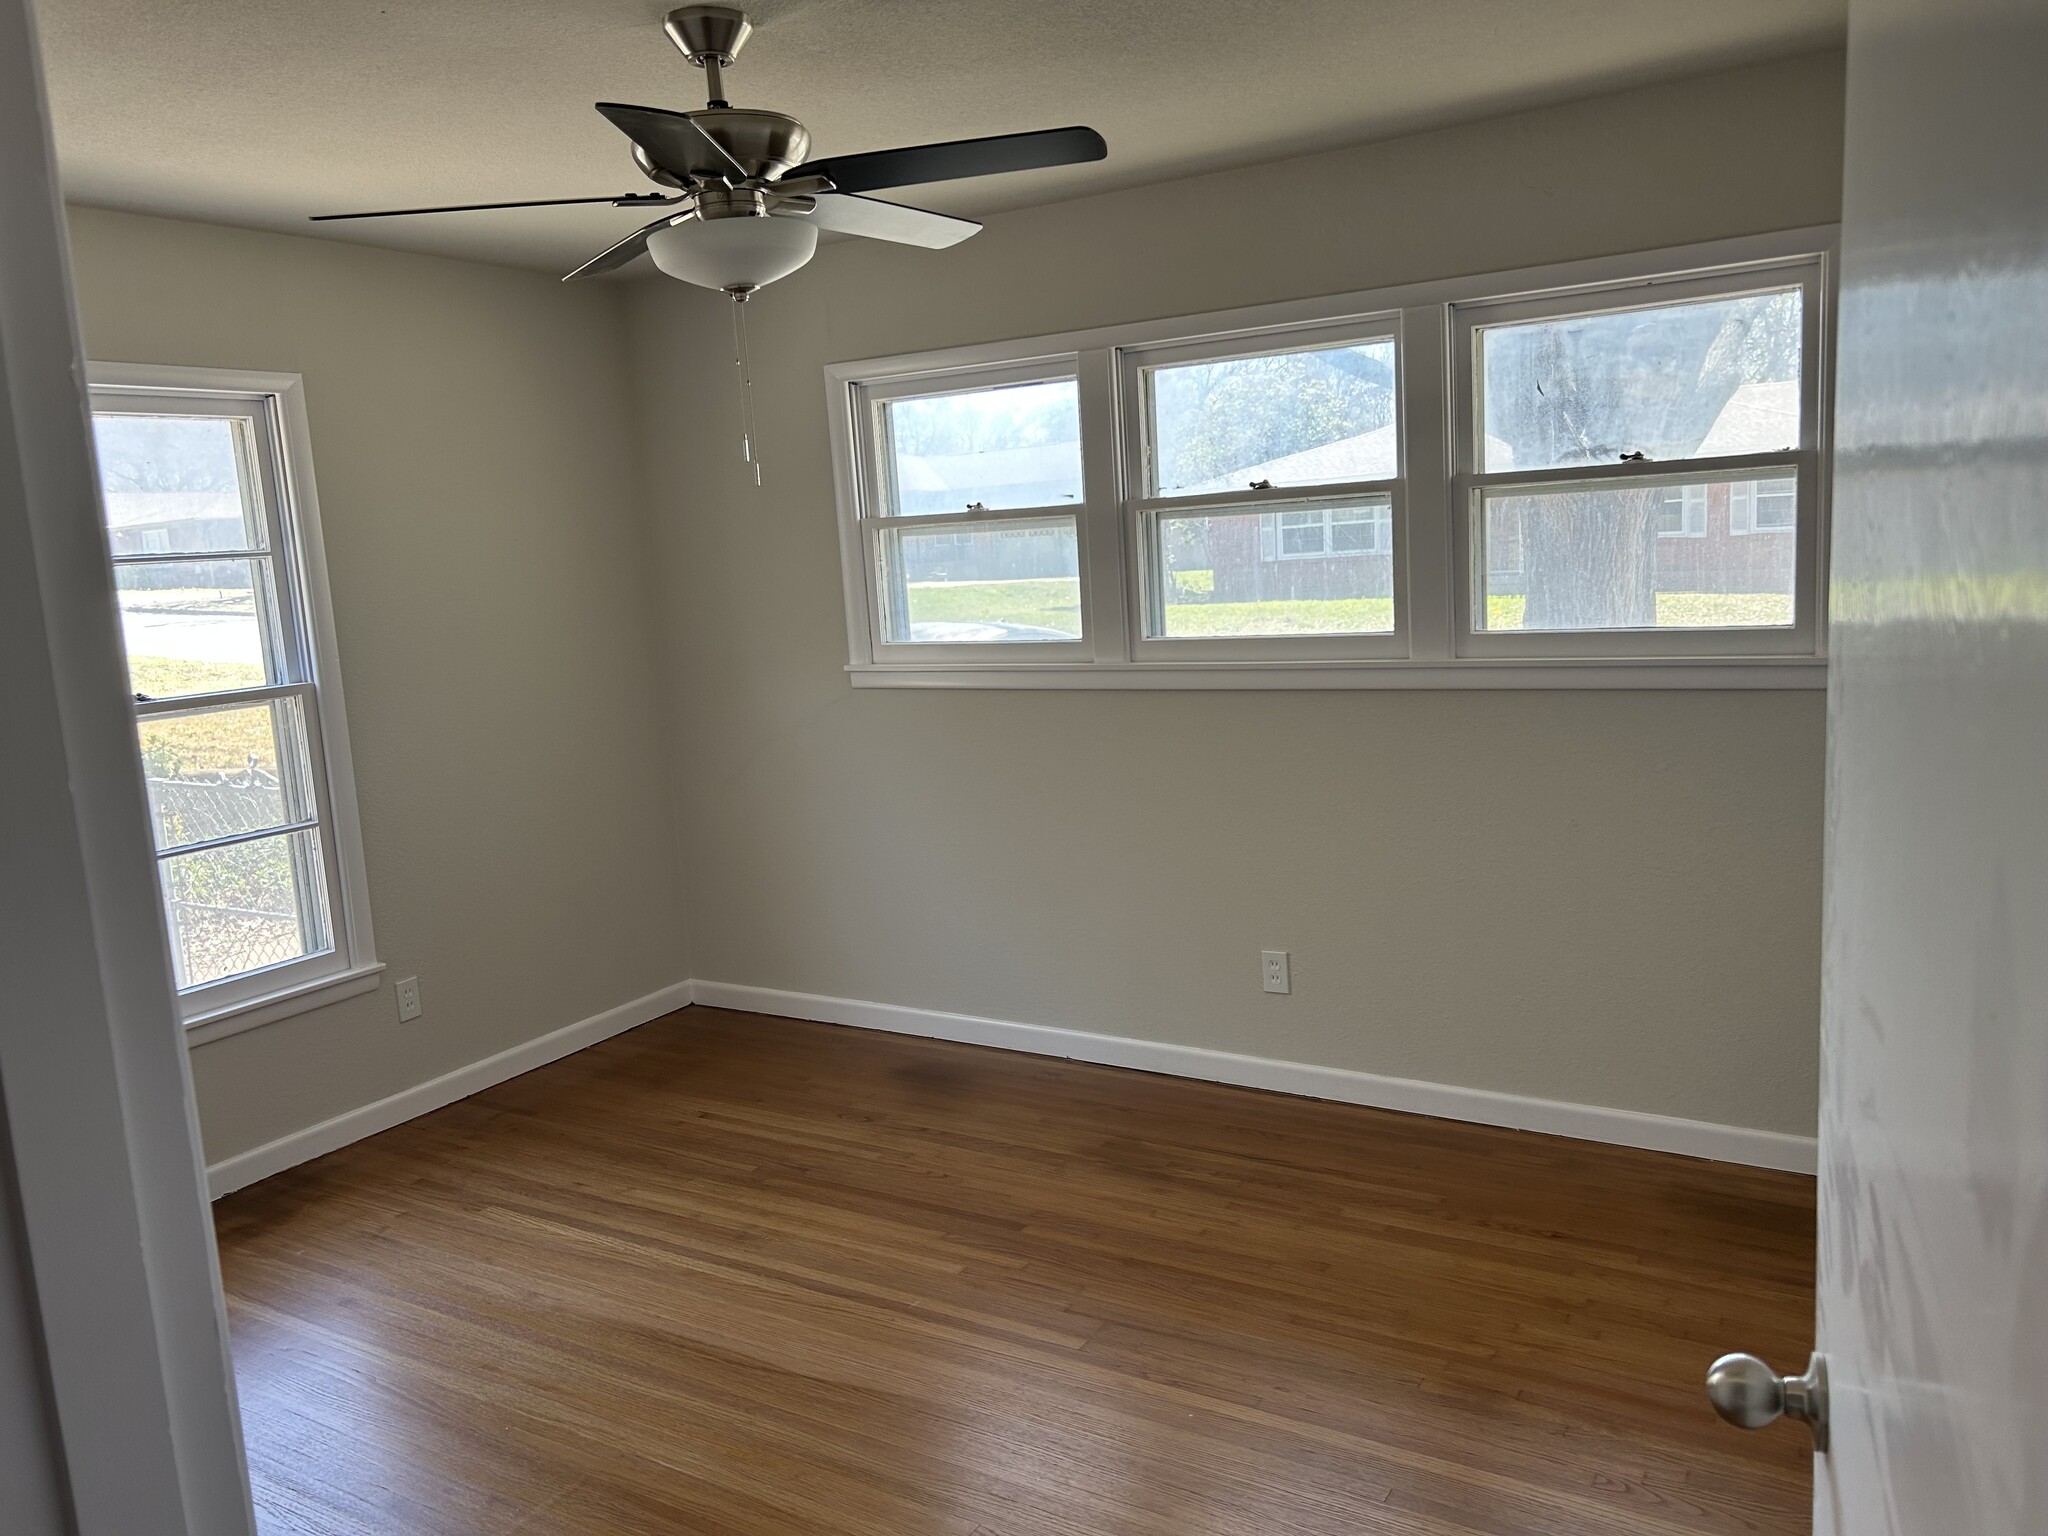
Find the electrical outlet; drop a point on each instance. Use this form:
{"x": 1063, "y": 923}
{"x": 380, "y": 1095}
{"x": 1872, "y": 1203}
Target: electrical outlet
{"x": 408, "y": 999}
{"x": 1273, "y": 970}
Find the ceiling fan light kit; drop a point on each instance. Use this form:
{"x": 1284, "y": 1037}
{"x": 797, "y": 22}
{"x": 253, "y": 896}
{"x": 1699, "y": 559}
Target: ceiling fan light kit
{"x": 733, "y": 254}
{"x": 747, "y": 206}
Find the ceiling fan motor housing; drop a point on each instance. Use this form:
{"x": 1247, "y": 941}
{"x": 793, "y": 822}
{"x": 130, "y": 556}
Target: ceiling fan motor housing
{"x": 765, "y": 144}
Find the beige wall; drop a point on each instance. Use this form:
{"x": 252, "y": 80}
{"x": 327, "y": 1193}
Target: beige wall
{"x": 485, "y": 540}
{"x": 1610, "y": 898}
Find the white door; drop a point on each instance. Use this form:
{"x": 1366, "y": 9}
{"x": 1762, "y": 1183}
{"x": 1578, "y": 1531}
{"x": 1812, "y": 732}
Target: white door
{"x": 1934, "y": 1135}
{"x": 117, "y": 1414}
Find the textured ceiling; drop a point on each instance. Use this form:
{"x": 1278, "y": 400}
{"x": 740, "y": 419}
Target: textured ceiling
{"x": 259, "y": 112}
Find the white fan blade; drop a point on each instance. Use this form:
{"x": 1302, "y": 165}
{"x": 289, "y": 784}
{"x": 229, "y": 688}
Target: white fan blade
{"x": 620, "y": 252}
{"x": 845, "y": 214}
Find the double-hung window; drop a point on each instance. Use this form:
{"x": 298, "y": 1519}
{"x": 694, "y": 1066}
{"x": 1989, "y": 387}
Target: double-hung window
{"x": 1629, "y": 436}
{"x": 1605, "y": 474}
{"x": 972, "y": 489}
{"x": 1264, "y": 475}
{"x": 206, "y": 486}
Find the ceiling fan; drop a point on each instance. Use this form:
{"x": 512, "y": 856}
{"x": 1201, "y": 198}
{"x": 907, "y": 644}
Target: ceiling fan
{"x": 747, "y": 205}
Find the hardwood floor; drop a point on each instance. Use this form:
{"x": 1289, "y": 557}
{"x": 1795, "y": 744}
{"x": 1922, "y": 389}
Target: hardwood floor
{"x": 732, "y": 1274}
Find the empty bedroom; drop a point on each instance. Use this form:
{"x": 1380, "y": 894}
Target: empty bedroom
{"x": 892, "y": 769}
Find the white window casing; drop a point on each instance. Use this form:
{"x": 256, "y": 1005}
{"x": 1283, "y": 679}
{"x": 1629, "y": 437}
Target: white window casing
{"x": 1424, "y": 497}
{"x": 295, "y": 621}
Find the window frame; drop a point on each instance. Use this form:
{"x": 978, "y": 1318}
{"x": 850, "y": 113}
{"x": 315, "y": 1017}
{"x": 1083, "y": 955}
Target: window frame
{"x": 1432, "y": 646}
{"x": 1142, "y": 509}
{"x": 304, "y": 641}
{"x": 873, "y": 521}
{"x": 1805, "y": 463}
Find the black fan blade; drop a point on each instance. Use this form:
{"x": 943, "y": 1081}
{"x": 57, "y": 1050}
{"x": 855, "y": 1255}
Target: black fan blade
{"x": 625, "y": 200}
{"x": 671, "y": 140}
{"x": 877, "y": 220}
{"x": 618, "y": 253}
{"x": 881, "y": 168}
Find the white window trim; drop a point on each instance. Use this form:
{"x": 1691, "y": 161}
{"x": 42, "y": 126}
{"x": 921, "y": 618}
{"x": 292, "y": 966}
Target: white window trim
{"x": 262, "y": 997}
{"x": 1434, "y": 648}
{"x": 1689, "y": 526}
{"x": 1807, "y": 461}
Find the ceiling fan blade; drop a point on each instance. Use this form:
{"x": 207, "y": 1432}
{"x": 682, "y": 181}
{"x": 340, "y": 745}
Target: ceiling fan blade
{"x": 625, "y": 200}
{"x": 669, "y": 138}
{"x": 919, "y": 163}
{"x": 877, "y": 220}
{"x": 619, "y": 252}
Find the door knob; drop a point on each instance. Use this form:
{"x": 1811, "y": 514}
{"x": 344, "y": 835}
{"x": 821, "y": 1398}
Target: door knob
{"x": 1749, "y": 1394}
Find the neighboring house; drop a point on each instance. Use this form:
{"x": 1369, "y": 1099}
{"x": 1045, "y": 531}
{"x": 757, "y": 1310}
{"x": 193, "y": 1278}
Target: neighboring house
{"x": 157, "y": 522}
{"x": 1711, "y": 538}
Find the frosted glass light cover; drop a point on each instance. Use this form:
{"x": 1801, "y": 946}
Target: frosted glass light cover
{"x": 733, "y": 253}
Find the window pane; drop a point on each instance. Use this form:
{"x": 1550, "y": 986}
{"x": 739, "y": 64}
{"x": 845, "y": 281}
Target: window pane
{"x": 986, "y": 583}
{"x": 244, "y": 907}
{"x": 222, "y": 772}
{"x": 196, "y": 626}
{"x": 1319, "y": 572}
{"x": 1018, "y": 446}
{"x": 1590, "y": 557}
{"x": 1718, "y": 376}
{"x": 1319, "y": 417}
{"x": 177, "y": 485}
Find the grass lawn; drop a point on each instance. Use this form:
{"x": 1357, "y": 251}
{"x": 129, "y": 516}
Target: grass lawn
{"x": 1678, "y": 610}
{"x": 1051, "y": 602}
{"x": 1055, "y": 603}
{"x": 220, "y": 742}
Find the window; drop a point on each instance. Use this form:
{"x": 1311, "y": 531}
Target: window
{"x": 1681, "y": 514}
{"x": 972, "y": 539}
{"x": 1622, "y": 430}
{"x": 206, "y": 486}
{"x": 1331, "y": 533}
{"x": 1613, "y": 469}
{"x": 1267, "y": 468}
{"x": 1763, "y": 506}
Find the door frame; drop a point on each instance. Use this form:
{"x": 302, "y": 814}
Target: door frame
{"x": 109, "y": 1188}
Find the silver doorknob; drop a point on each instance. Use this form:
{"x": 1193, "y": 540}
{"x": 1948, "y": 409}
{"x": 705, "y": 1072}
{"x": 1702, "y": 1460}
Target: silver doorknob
{"x": 1749, "y": 1394}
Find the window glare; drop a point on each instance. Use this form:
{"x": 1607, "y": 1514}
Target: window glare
{"x": 1322, "y": 416}
{"x": 1002, "y": 449}
{"x": 989, "y": 583}
{"x": 1693, "y": 380}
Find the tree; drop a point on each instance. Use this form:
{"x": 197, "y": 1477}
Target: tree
{"x": 1214, "y": 419}
{"x": 1600, "y": 389}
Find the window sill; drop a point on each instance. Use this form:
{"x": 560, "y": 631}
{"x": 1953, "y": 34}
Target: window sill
{"x": 254, "y": 1012}
{"x": 1774, "y": 672}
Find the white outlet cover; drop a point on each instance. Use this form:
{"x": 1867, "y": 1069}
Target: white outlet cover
{"x": 1274, "y": 971}
{"x": 408, "y": 999}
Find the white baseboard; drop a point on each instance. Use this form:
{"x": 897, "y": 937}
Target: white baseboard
{"x": 1587, "y": 1122}
{"x": 317, "y": 1140}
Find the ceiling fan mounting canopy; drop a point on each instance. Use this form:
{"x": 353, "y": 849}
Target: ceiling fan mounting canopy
{"x": 708, "y": 34}
{"x": 748, "y": 206}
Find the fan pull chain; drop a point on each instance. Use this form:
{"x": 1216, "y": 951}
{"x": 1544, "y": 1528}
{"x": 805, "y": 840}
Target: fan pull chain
{"x": 742, "y": 362}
